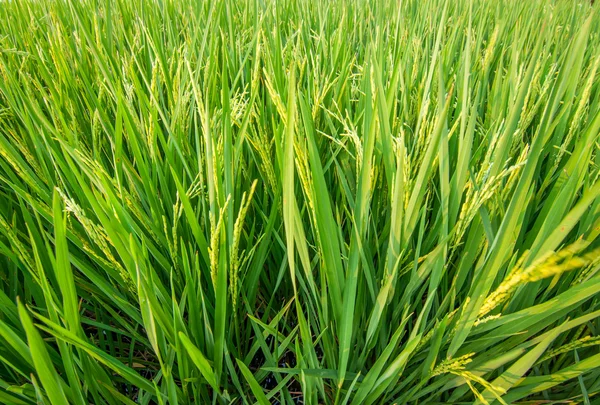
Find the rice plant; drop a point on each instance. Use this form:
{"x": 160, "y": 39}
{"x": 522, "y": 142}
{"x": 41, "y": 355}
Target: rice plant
{"x": 299, "y": 202}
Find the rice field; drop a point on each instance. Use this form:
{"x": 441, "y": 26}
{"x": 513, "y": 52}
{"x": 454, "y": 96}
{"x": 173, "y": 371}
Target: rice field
{"x": 299, "y": 202}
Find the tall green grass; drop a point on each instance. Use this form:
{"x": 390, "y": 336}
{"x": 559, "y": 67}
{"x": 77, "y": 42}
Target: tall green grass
{"x": 307, "y": 201}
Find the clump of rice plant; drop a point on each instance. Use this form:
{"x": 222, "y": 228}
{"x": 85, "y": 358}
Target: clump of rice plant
{"x": 299, "y": 202}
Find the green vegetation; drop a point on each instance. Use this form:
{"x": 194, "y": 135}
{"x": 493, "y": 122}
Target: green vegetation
{"x": 306, "y": 201}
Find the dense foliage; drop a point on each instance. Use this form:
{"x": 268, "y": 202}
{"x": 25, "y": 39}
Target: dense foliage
{"x": 306, "y": 201}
